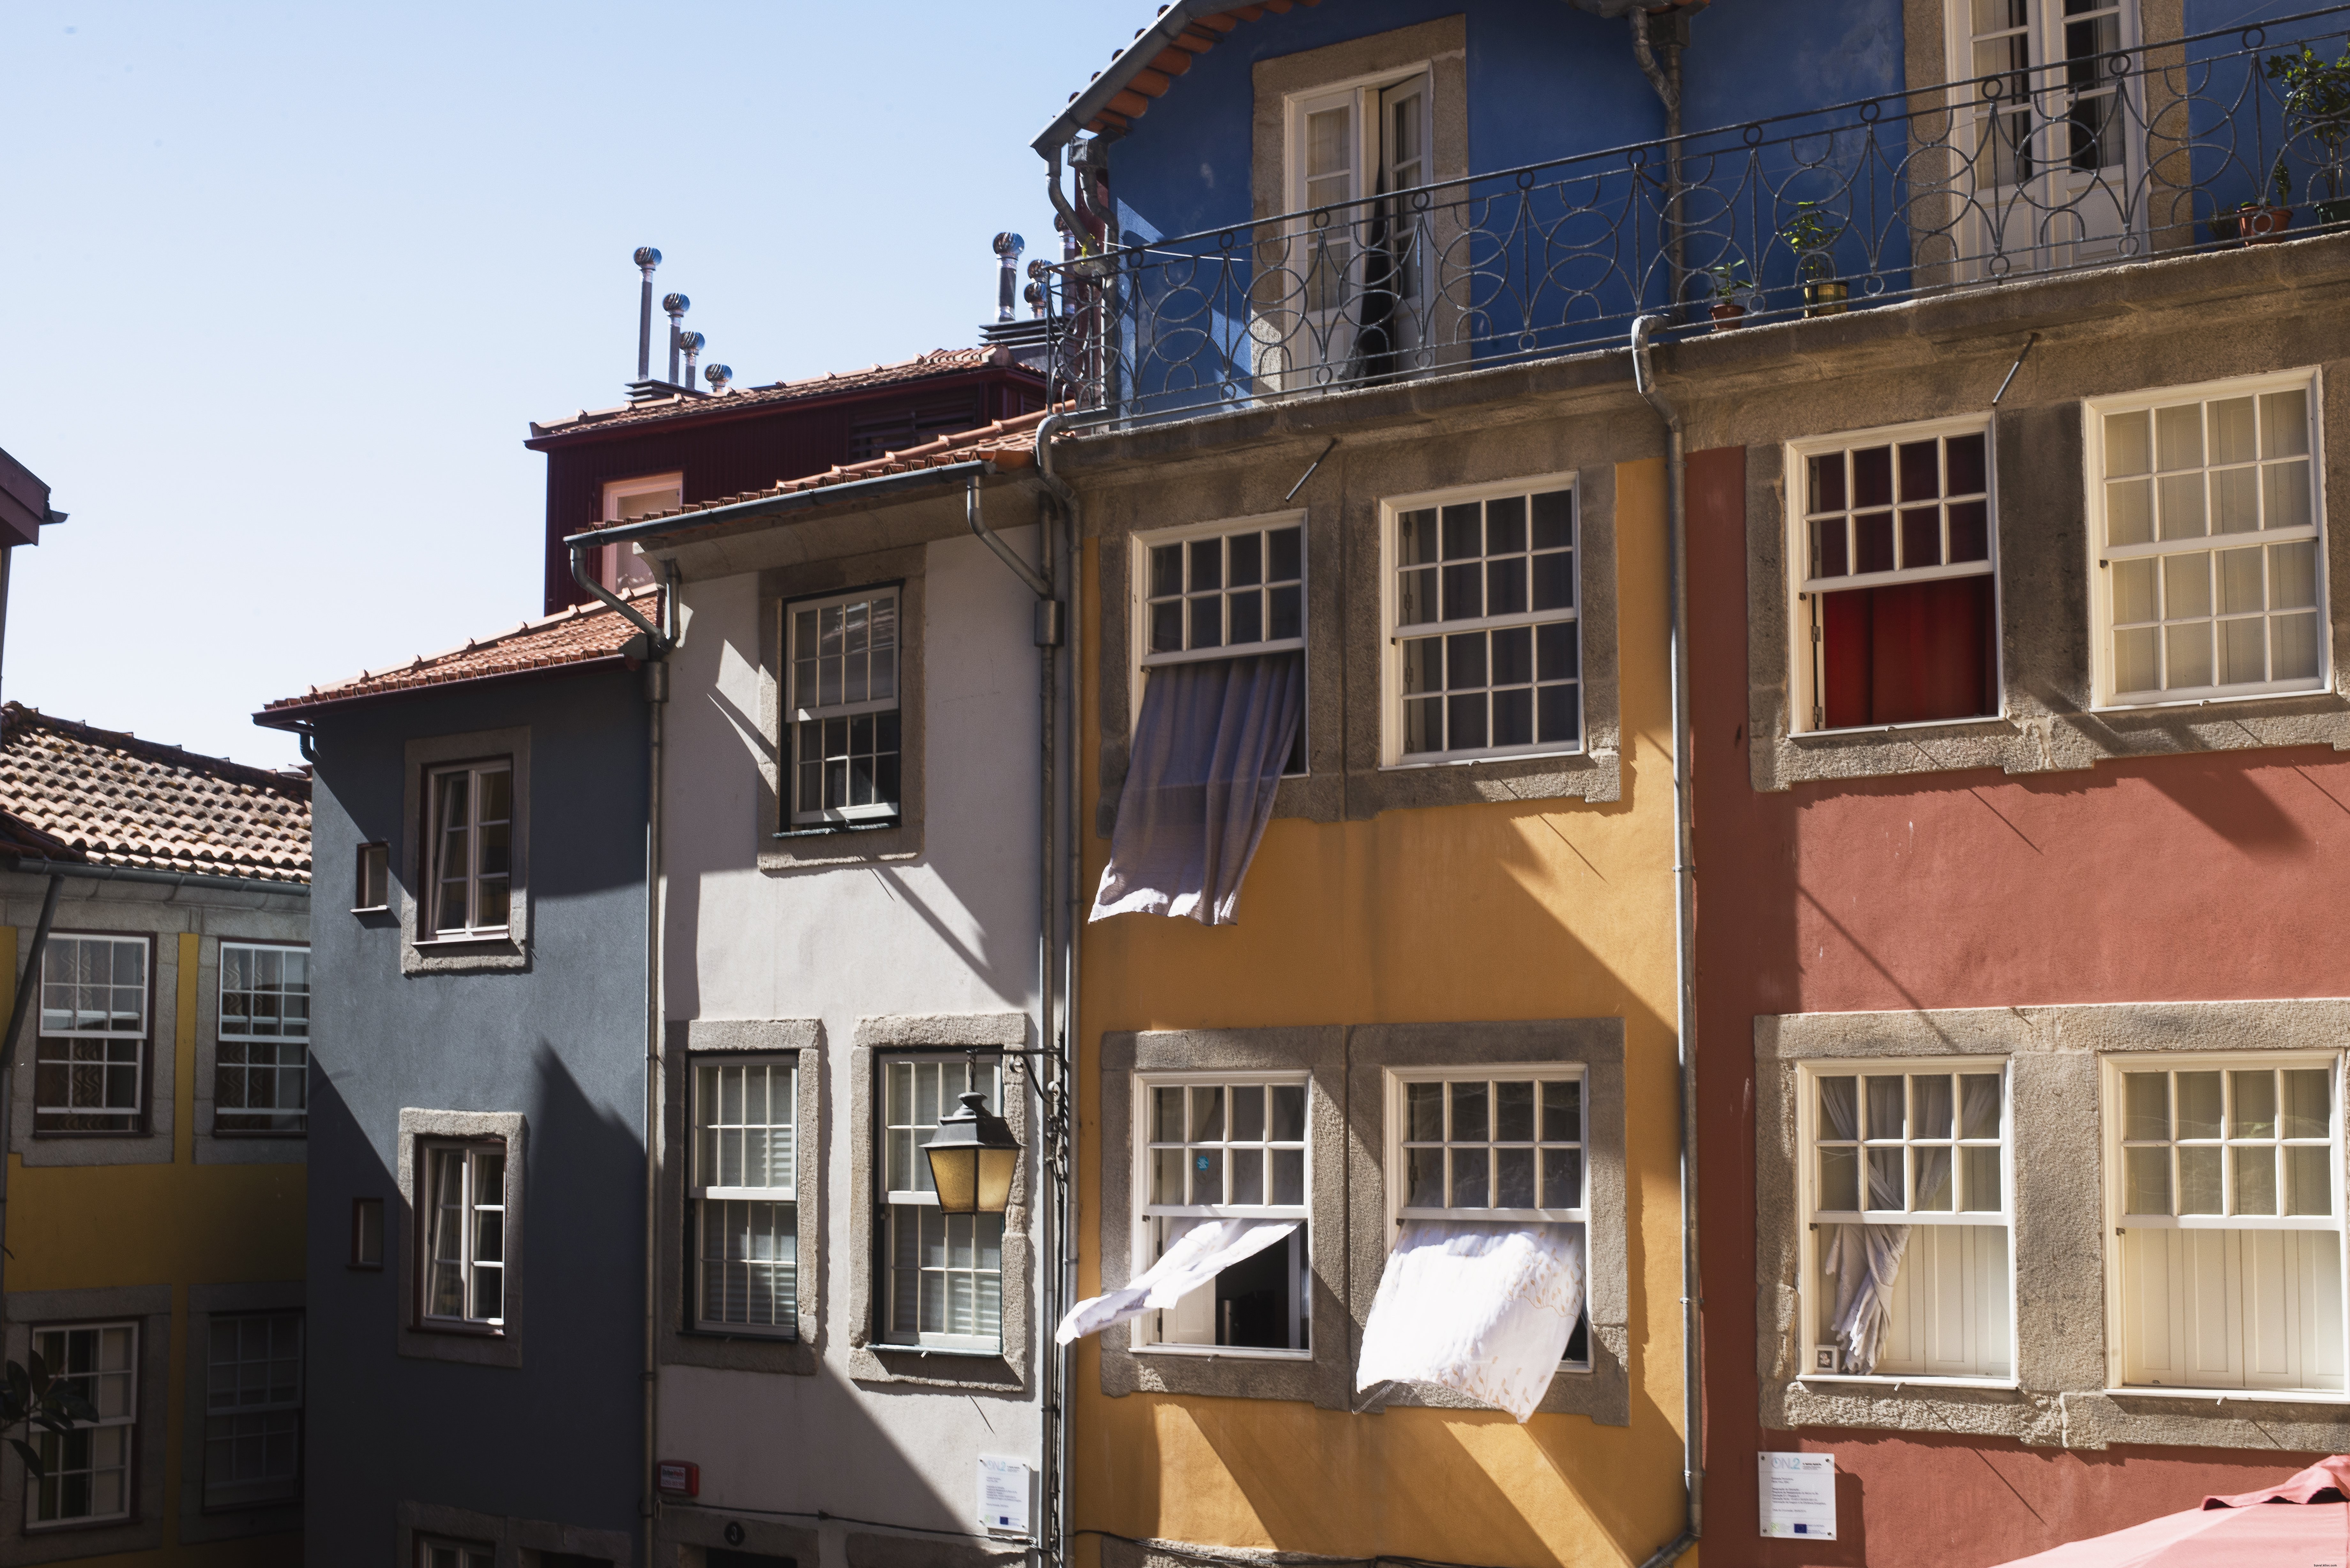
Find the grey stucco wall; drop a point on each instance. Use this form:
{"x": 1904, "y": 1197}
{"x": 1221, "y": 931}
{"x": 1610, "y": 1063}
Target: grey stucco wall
{"x": 557, "y": 1040}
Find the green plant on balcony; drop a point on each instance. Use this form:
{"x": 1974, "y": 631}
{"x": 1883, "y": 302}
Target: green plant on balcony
{"x": 1811, "y": 235}
{"x": 2318, "y": 105}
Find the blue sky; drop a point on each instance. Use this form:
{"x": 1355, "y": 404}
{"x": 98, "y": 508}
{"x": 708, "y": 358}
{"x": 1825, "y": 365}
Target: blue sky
{"x": 283, "y": 284}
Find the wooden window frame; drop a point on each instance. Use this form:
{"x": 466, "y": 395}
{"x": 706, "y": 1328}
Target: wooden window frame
{"x": 140, "y": 1112}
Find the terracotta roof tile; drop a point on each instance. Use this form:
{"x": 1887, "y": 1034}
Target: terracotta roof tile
{"x": 574, "y": 636}
{"x": 922, "y": 367}
{"x": 70, "y": 792}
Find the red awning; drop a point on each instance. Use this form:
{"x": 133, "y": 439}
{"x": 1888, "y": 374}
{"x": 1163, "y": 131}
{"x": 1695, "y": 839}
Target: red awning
{"x": 2303, "y": 1520}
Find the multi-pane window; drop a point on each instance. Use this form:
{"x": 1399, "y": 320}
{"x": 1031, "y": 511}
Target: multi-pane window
{"x": 1895, "y": 588}
{"x": 1486, "y": 645}
{"x": 747, "y": 1221}
{"x": 464, "y": 1234}
{"x": 252, "y": 1409}
{"x": 263, "y": 1059}
{"x": 2226, "y": 1176}
{"x": 434, "y": 1552}
{"x": 1230, "y": 1146}
{"x": 2211, "y": 579}
{"x": 85, "y": 1472}
{"x": 2053, "y": 101}
{"x": 1506, "y": 1144}
{"x": 844, "y": 655}
{"x": 621, "y": 567}
{"x": 473, "y": 847}
{"x": 1917, "y": 1158}
{"x": 1234, "y": 591}
{"x": 946, "y": 1271}
{"x": 89, "y": 1064}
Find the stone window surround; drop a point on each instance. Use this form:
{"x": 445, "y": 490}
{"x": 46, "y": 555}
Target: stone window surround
{"x": 197, "y": 1522}
{"x": 514, "y": 1542}
{"x": 1345, "y": 636}
{"x": 475, "y": 1348}
{"x": 782, "y": 848}
{"x": 2055, "y": 1057}
{"x": 474, "y": 955}
{"x": 681, "y": 1344}
{"x": 232, "y": 1147}
{"x": 1345, "y": 1067}
{"x": 684, "y": 1536}
{"x": 159, "y": 1072}
{"x": 2046, "y": 722}
{"x": 150, "y": 1306}
{"x": 871, "y": 1359}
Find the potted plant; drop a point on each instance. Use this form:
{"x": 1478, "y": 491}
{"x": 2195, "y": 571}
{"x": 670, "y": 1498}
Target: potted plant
{"x": 2317, "y": 103}
{"x": 2263, "y": 224}
{"x": 1732, "y": 293}
{"x": 1810, "y": 235}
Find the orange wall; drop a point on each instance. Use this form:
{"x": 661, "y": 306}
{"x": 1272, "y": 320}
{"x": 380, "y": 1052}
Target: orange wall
{"x": 1549, "y": 909}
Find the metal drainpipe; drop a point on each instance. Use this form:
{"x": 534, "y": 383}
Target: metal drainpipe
{"x": 1064, "y": 1263}
{"x": 1684, "y": 944}
{"x": 657, "y": 643}
{"x": 25, "y": 985}
{"x": 1666, "y": 79}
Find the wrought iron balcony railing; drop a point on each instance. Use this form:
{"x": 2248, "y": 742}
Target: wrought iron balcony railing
{"x": 2108, "y": 156}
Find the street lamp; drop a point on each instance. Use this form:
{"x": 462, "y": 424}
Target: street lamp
{"x": 972, "y": 1156}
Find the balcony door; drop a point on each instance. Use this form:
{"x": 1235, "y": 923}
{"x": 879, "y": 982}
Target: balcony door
{"x": 2050, "y": 139}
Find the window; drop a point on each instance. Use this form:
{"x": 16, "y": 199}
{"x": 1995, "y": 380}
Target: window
{"x": 1484, "y": 643}
{"x": 465, "y": 1235}
{"x": 252, "y": 1409}
{"x": 1905, "y": 1172}
{"x": 431, "y": 1552}
{"x": 1896, "y": 585}
{"x": 262, "y": 1068}
{"x": 2207, "y": 540}
{"x": 1223, "y": 591}
{"x": 366, "y": 1232}
{"x": 373, "y": 889}
{"x": 618, "y": 566}
{"x": 1361, "y": 258}
{"x": 843, "y": 708}
{"x": 85, "y": 1472}
{"x": 2224, "y": 1176}
{"x": 1227, "y": 1147}
{"x": 89, "y": 1066}
{"x": 747, "y": 1227}
{"x": 472, "y": 836}
{"x": 1503, "y": 1145}
{"x": 946, "y": 1271}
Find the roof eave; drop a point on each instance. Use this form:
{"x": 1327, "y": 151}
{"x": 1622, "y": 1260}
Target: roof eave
{"x": 1159, "y": 36}
{"x": 292, "y": 718}
{"x": 714, "y": 411}
{"x": 763, "y": 506}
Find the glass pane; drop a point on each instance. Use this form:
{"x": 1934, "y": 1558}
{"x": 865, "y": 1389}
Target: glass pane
{"x": 1563, "y": 1111}
{"x": 1166, "y": 1116}
{"x": 1468, "y": 1112}
{"x": 1166, "y": 1175}
{"x": 1289, "y": 1175}
{"x": 2306, "y": 1101}
{"x": 1982, "y": 1179}
{"x": 1424, "y": 1178}
{"x": 2256, "y": 1178}
{"x": 2145, "y": 1106}
{"x": 1932, "y": 1170}
{"x": 1207, "y": 1114}
{"x": 2129, "y": 512}
{"x": 1288, "y": 1112}
{"x": 1979, "y": 1107}
{"x": 2285, "y": 424}
{"x": 1424, "y": 1113}
{"x": 2199, "y": 1104}
{"x": 1838, "y": 1118}
{"x": 2186, "y": 585}
{"x": 2254, "y": 1114}
{"x": 1930, "y": 1102}
{"x": 2233, "y": 435}
{"x": 2198, "y": 1180}
{"x": 2308, "y": 1187}
{"x": 1839, "y": 1179}
{"x": 1885, "y": 1191}
{"x": 1207, "y": 1176}
{"x": 1561, "y": 1178}
{"x": 1513, "y": 1113}
{"x": 1248, "y": 1176}
{"x": 1513, "y": 1178}
{"x": 1884, "y": 1107}
{"x": 2147, "y": 1189}
{"x": 1470, "y": 1179}
{"x": 2130, "y": 447}
{"x": 2179, "y": 437}
{"x": 2284, "y": 494}
{"x": 1248, "y": 1114}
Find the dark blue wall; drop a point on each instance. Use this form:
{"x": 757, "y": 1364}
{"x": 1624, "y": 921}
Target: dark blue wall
{"x": 563, "y": 1043}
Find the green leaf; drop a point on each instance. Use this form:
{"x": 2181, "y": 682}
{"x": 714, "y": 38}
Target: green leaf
{"x": 31, "y": 1456}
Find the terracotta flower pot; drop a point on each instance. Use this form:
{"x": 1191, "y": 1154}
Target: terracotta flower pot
{"x": 2261, "y": 225}
{"x": 1726, "y": 314}
{"x": 1826, "y": 296}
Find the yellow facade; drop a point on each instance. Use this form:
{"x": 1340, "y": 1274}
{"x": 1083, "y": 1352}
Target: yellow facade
{"x": 106, "y": 1226}
{"x": 1497, "y": 912}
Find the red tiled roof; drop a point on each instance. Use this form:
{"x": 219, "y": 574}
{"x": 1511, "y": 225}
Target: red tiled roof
{"x": 736, "y": 399}
{"x": 69, "y": 792}
{"x": 580, "y": 635}
{"x": 1006, "y": 443}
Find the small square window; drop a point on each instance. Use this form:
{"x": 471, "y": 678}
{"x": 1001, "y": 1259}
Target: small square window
{"x": 373, "y": 884}
{"x": 366, "y": 1233}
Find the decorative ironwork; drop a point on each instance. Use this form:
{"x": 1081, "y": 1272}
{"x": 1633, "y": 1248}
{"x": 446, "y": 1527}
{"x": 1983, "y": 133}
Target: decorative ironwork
{"x": 2109, "y": 156}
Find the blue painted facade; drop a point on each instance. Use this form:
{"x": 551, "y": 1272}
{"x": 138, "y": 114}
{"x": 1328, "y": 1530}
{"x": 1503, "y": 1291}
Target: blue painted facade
{"x": 557, "y": 1439}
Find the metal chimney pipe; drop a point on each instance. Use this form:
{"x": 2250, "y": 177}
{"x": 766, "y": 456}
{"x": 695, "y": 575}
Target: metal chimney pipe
{"x": 677, "y": 305}
{"x": 1008, "y": 247}
{"x": 691, "y": 343}
{"x": 648, "y": 258}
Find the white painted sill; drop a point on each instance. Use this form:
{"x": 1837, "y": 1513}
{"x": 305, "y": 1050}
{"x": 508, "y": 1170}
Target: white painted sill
{"x": 1483, "y": 757}
{"x": 500, "y": 938}
{"x": 2224, "y": 701}
{"x": 1896, "y": 1384}
{"x": 1230, "y": 1351}
{"x": 1862, "y": 732}
{"x": 2338, "y": 1397}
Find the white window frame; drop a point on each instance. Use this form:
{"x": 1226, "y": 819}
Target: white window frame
{"x": 620, "y": 567}
{"x": 1803, "y": 644}
{"x": 281, "y": 1071}
{"x": 1393, "y": 636}
{"x": 140, "y": 1039}
{"x": 472, "y": 1205}
{"x": 902, "y": 1205}
{"x": 1141, "y": 661}
{"x": 468, "y": 1553}
{"x": 2101, "y": 555}
{"x": 707, "y": 1189}
{"x": 474, "y": 772}
{"x": 274, "y": 1415}
{"x": 1364, "y": 96}
{"x": 878, "y": 812}
{"x": 1809, "y": 1305}
{"x": 126, "y": 1423}
{"x": 2111, "y": 1160}
{"x": 1143, "y": 1251}
{"x": 1401, "y": 1212}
